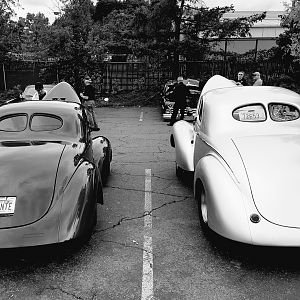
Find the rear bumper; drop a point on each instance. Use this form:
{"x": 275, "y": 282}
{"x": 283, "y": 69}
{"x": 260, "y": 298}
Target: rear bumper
{"x": 43, "y": 232}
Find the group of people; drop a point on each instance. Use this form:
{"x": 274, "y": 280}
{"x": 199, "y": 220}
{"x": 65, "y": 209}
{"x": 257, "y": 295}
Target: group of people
{"x": 256, "y": 79}
{"x": 181, "y": 92}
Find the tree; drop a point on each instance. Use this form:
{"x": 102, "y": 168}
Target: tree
{"x": 6, "y": 26}
{"x": 187, "y": 28}
{"x": 35, "y": 35}
{"x": 69, "y": 35}
{"x": 288, "y": 42}
{"x": 121, "y": 31}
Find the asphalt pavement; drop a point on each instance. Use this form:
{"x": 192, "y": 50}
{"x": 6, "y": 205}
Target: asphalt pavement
{"x": 148, "y": 243}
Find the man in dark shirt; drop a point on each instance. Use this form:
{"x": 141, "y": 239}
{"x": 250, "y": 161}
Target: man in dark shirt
{"x": 88, "y": 100}
{"x": 180, "y": 94}
{"x": 40, "y": 92}
{"x": 241, "y": 78}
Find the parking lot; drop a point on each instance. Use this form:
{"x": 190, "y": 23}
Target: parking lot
{"x": 148, "y": 243}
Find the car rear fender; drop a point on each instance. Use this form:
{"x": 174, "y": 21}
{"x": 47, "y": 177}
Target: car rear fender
{"x": 79, "y": 200}
{"x": 101, "y": 150}
{"x": 182, "y": 139}
{"x": 226, "y": 210}
{"x": 102, "y": 153}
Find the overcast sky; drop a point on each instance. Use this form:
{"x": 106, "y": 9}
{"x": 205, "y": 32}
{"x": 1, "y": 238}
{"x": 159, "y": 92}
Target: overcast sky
{"x": 48, "y": 7}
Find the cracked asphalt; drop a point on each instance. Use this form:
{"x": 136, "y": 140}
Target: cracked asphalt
{"x": 186, "y": 265}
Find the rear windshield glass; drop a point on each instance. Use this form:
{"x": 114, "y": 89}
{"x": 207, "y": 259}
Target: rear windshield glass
{"x": 281, "y": 112}
{"x": 250, "y": 113}
{"x": 41, "y": 122}
{"x": 13, "y": 123}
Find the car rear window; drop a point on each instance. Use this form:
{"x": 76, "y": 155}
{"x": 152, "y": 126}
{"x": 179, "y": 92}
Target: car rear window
{"x": 281, "y": 112}
{"x": 41, "y": 122}
{"x": 13, "y": 123}
{"x": 250, "y": 113}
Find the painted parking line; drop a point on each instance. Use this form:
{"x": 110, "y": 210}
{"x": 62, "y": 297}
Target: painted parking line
{"x": 141, "y": 116}
{"x": 147, "y": 282}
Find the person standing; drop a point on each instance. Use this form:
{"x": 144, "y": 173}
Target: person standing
{"x": 180, "y": 94}
{"x": 241, "y": 80}
{"x": 257, "y": 81}
{"x": 40, "y": 92}
{"x": 88, "y": 101}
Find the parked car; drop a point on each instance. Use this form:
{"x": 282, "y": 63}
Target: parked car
{"x": 244, "y": 152}
{"x": 167, "y": 101}
{"x": 51, "y": 171}
{"x": 29, "y": 91}
{"x": 28, "y": 94}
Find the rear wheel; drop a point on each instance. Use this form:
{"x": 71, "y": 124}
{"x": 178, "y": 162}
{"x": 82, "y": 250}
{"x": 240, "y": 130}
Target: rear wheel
{"x": 202, "y": 207}
{"x": 106, "y": 167}
{"x": 179, "y": 172}
{"x": 84, "y": 238}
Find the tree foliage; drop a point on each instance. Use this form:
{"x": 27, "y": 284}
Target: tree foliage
{"x": 289, "y": 41}
{"x": 83, "y": 33}
{"x": 6, "y": 26}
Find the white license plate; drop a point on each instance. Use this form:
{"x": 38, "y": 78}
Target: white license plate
{"x": 7, "y": 206}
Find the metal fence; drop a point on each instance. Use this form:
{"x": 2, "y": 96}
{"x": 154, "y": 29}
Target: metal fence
{"x": 113, "y": 77}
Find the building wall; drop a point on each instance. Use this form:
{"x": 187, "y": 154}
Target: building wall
{"x": 269, "y": 27}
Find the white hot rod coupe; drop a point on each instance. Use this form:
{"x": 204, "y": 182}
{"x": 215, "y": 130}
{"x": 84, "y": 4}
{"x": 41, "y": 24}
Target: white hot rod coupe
{"x": 244, "y": 151}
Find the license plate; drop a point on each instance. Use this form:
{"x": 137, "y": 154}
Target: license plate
{"x": 251, "y": 116}
{"x": 7, "y": 206}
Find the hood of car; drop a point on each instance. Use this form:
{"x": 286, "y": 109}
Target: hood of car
{"x": 272, "y": 164}
{"x": 27, "y": 181}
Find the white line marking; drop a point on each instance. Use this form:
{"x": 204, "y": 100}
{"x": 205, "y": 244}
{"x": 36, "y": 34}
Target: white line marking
{"x": 141, "y": 116}
{"x": 147, "y": 283}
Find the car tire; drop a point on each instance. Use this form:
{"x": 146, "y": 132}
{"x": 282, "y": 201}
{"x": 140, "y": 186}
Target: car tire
{"x": 85, "y": 237}
{"x": 106, "y": 169}
{"x": 201, "y": 198}
{"x": 179, "y": 172}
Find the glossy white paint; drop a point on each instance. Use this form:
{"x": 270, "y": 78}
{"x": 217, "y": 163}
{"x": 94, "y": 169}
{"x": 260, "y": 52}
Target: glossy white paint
{"x": 245, "y": 167}
{"x": 184, "y": 144}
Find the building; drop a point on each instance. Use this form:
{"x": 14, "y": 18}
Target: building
{"x": 263, "y": 34}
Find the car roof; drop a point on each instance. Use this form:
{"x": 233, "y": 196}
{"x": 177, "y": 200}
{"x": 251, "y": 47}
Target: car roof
{"x": 219, "y": 105}
{"x": 240, "y": 95}
{"x": 40, "y": 106}
{"x": 70, "y": 113}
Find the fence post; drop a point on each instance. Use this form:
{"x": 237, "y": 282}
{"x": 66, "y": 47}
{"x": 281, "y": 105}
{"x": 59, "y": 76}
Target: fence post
{"x": 4, "y": 77}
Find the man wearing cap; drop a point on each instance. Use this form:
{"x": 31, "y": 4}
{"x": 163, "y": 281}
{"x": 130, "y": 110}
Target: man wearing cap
{"x": 88, "y": 100}
{"x": 180, "y": 94}
{"x": 40, "y": 92}
{"x": 257, "y": 80}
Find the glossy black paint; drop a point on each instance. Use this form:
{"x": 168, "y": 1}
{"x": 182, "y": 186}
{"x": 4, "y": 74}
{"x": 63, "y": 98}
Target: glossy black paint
{"x": 55, "y": 175}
